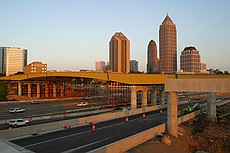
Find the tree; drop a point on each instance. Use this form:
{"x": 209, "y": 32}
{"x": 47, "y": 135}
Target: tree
{"x": 3, "y": 91}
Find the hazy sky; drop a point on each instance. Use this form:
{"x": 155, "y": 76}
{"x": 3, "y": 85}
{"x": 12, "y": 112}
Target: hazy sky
{"x": 73, "y": 34}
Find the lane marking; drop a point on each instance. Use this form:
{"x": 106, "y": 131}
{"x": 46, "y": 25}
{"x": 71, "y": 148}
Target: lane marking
{"x": 71, "y": 150}
{"x": 63, "y": 137}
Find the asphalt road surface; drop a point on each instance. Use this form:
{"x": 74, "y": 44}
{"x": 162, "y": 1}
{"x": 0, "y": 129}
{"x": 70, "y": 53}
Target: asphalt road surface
{"x": 44, "y": 107}
{"x": 83, "y": 139}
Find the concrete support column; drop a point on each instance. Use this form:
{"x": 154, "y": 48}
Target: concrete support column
{"x": 133, "y": 97}
{"x": 172, "y": 114}
{"x": 38, "y": 90}
{"x": 144, "y": 97}
{"x": 54, "y": 90}
{"x": 211, "y": 112}
{"x": 19, "y": 89}
{"x": 154, "y": 97}
{"x": 162, "y": 97}
{"x": 29, "y": 89}
{"x": 46, "y": 90}
{"x": 61, "y": 90}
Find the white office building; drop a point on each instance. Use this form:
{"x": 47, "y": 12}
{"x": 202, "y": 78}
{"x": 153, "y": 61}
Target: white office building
{"x": 12, "y": 60}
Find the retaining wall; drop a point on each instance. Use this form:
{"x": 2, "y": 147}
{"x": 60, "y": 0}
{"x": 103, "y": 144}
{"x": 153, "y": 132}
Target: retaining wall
{"x": 132, "y": 141}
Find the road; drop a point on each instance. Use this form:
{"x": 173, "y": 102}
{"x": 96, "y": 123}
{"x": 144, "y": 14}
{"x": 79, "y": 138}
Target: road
{"x": 82, "y": 139}
{"x": 45, "y": 107}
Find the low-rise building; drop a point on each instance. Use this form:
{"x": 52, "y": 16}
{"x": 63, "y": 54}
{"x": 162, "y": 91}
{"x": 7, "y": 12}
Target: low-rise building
{"x": 35, "y": 67}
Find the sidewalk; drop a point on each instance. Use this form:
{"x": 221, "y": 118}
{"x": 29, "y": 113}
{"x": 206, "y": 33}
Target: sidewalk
{"x": 8, "y": 147}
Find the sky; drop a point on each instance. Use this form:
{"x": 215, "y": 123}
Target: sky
{"x": 73, "y": 34}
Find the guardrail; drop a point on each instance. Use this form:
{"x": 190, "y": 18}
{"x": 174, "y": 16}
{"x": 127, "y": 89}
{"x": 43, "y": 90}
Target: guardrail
{"x": 69, "y": 113}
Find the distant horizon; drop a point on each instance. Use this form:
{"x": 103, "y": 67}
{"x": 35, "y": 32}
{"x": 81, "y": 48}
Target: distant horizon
{"x": 74, "y": 35}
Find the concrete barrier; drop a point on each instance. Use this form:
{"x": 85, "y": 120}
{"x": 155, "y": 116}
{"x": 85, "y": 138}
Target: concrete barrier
{"x": 36, "y": 129}
{"x": 53, "y": 116}
{"x": 133, "y": 141}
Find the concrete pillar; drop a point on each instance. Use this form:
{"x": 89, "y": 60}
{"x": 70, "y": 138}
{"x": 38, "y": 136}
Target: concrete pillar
{"x": 19, "y": 89}
{"x": 144, "y": 97}
{"x": 61, "y": 90}
{"x": 38, "y": 90}
{"x": 46, "y": 90}
{"x": 29, "y": 89}
{"x": 172, "y": 114}
{"x": 54, "y": 90}
{"x": 133, "y": 97}
{"x": 154, "y": 97}
{"x": 162, "y": 97}
{"x": 211, "y": 112}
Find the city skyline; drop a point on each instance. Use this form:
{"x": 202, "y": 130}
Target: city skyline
{"x": 64, "y": 30}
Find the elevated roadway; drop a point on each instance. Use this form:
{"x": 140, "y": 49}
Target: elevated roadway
{"x": 132, "y": 79}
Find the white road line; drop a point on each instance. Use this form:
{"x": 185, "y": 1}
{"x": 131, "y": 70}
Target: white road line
{"x": 71, "y": 150}
{"x": 63, "y": 137}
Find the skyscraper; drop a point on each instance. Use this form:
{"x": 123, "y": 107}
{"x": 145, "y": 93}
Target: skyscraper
{"x": 168, "y": 46}
{"x": 99, "y": 66}
{"x": 12, "y": 60}
{"x": 190, "y": 60}
{"x": 119, "y": 53}
{"x": 134, "y": 66}
{"x": 152, "y": 65}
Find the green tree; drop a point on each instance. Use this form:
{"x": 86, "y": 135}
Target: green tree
{"x": 3, "y": 91}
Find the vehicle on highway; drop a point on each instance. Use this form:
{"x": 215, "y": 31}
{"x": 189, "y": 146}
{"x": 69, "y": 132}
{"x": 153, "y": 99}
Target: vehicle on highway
{"x": 82, "y": 104}
{"x": 34, "y": 102}
{"x": 18, "y": 122}
{"x": 88, "y": 98}
{"x": 120, "y": 109}
{"x": 16, "y": 110}
{"x": 190, "y": 109}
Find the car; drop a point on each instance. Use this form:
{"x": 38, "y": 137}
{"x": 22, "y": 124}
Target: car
{"x": 120, "y": 109}
{"x": 16, "y": 110}
{"x": 18, "y": 122}
{"x": 88, "y": 98}
{"x": 34, "y": 102}
{"x": 82, "y": 104}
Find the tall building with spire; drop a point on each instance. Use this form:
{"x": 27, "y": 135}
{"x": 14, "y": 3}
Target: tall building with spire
{"x": 119, "y": 53}
{"x": 152, "y": 64}
{"x": 168, "y": 46}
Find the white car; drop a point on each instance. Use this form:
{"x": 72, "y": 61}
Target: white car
{"x": 16, "y": 110}
{"x": 82, "y": 104}
{"x": 88, "y": 98}
{"x": 18, "y": 122}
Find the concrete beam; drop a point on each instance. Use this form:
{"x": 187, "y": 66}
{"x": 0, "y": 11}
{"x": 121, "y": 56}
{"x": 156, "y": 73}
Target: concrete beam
{"x": 197, "y": 85}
